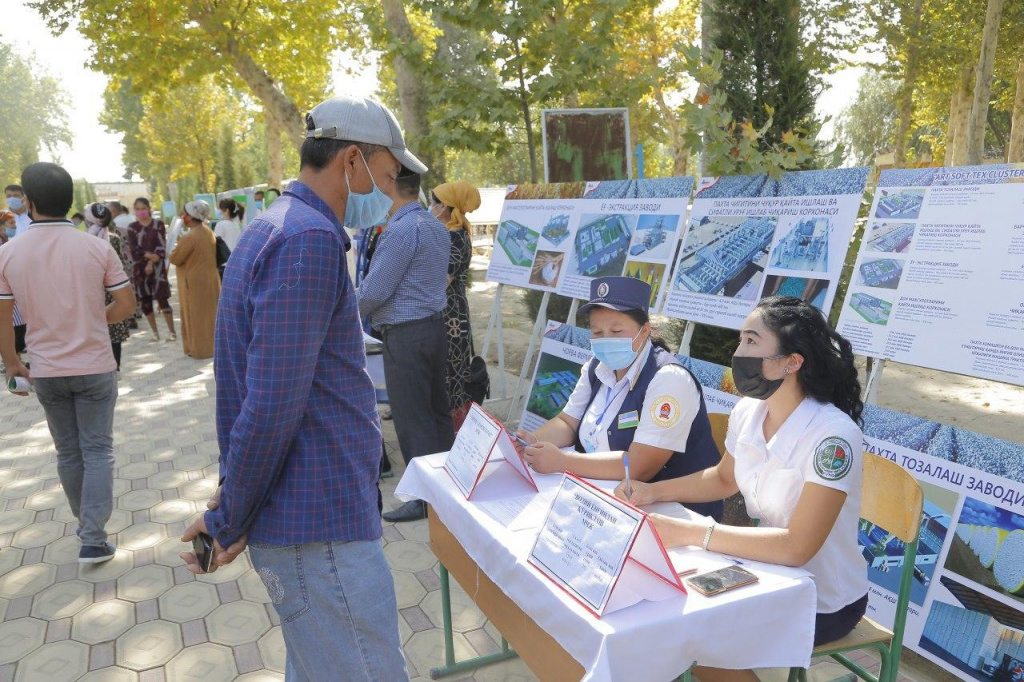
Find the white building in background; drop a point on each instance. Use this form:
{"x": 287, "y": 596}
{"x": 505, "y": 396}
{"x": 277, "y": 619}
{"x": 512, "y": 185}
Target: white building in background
{"x": 126, "y": 192}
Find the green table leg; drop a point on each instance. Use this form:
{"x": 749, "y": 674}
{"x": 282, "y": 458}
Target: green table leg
{"x": 450, "y": 666}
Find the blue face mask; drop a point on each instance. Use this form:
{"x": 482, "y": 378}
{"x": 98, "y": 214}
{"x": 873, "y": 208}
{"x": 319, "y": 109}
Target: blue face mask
{"x": 259, "y": 205}
{"x": 363, "y": 211}
{"x": 615, "y": 353}
{"x": 14, "y": 203}
{"x": 11, "y": 232}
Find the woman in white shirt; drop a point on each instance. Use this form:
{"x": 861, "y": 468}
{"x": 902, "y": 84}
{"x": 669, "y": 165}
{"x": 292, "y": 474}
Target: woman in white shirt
{"x": 229, "y": 228}
{"x": 794, "y": 451}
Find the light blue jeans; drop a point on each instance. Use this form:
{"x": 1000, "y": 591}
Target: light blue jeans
{"x": 80, "y": 413}
{"x": 338, "y": 610}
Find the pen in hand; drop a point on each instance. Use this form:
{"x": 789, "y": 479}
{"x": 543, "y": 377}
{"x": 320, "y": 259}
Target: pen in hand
{"x": 625, "y": 464}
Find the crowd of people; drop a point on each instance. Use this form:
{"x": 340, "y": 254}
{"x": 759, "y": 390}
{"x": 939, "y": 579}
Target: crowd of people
{"x": 296, "y": 412}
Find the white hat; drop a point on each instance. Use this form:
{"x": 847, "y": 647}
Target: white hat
{"x": 360, "y": 119}
{"x": 198, "y": 209}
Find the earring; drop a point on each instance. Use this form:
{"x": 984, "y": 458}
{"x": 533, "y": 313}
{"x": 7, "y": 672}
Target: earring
{"x": 785, "y": 370}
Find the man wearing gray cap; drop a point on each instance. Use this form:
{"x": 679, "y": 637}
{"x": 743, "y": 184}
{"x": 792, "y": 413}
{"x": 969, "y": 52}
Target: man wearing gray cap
{"x": 297, "y": 424}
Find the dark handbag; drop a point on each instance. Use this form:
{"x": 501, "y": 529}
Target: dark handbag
{"x": 479, "y": 385}
{"x": 223, "y": 253}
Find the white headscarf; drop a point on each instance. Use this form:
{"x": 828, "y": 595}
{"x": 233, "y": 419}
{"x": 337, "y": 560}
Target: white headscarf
{"x": 95, "y": 216}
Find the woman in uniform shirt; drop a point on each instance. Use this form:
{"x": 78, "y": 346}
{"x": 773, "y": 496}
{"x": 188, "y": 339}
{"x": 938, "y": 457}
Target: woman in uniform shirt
{"x": 794, "y": 451}
{"x": 633, "y": 397}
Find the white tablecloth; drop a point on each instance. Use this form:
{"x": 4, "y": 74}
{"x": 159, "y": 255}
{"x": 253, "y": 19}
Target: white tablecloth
{"x": 769, "y": 624}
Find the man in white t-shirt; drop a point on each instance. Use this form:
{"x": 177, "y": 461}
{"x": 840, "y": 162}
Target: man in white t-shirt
{"x": 74, "y": 373}
{"x": 15, "y": 197}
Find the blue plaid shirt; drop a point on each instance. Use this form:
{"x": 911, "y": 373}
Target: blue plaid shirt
{"x": 408, "y": 277}
{"x": 297, "y": 424}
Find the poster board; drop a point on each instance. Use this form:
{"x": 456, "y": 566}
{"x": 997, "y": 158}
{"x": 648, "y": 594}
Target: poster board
{"x": 586, "y": 144}
{"x": 558, "y": 237}
{"x": 939, "y": 280}
{"x": 564, "y": 349}
{"x": 966, "y": 609}
{"x": 751, "y": 236}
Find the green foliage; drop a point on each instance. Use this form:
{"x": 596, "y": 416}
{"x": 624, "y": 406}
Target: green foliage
{"x": 84, "y": 195}
{"x": 32, "y": 114}
{"x": 868, "y": 126}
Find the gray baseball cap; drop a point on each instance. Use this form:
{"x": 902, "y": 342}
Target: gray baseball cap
{"x": 360, "y": 119}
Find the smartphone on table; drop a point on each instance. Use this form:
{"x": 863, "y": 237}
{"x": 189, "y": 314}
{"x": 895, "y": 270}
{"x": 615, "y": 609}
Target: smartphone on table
{"x": 202, "y": 545}
{"x": 722, "y": 580}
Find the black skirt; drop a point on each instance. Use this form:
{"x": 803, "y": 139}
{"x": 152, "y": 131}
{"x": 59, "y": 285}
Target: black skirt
{"x": 828, "y": 627}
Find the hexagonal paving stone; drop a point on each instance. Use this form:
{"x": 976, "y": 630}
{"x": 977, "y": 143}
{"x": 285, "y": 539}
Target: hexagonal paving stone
{"x": 404, "y": 631}
{"x": 261, "y": 676}
{"x": 103, "y": 621}
{"x": 19, "y": 637}
{"x": 171, "y": 511}
{"x": 167, "y": 552}
{"x": 119, "y": 520}
{"x": 417, "y": 531}
{"x": 199, "y": 490}
{"x": 512, "y": 670}
{"x": 10, "y": 559}
{"x": 425, "y": 650}
{"x": 63, "y": 550}
{"x": 108, "y": 570}
{"x": 237, "y": 623}
{"x": 409, "y": 556}
{"x": 55, "y": 662}
{"x": 408, "y": 589}
{"x": 111, "y": 674}
{"x": 16, "y": 519}
{"x": 148, "y": 645}
{"x": 62, "y": 600}
{"x": 38, "y": 534}
{"x": 139, "y": 499}
{"x": 225, "y": 574}
{"x": 188, "y": 601}
{"x": 164, "y": 480}
{"x": 205, "y": 662}
{"x": 137, "y": 470}
{"x": 27, "y": 580}
{"x": 465, "y": 614}
{"x": 272, "y": 649}
{"x": 147, "y": 582}
{"x": 20, "y": 489}
{"x": 192, "y": 462}
{"x": 121, "y": 486}
{"x": 252, "y": 588}
{"x": 45, "y": 499}
{"x": 141, "y": 536}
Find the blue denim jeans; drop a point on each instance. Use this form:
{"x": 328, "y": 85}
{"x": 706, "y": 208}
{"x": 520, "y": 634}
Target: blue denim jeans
{"x": 80, "y": 413}
{"x": 338, "y": 610}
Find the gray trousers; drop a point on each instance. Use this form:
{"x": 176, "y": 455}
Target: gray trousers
{"x": 415, "y": 355}
{"x": 80, "y": 414}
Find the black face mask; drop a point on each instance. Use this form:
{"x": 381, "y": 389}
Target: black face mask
{"x": 749, "y": 379}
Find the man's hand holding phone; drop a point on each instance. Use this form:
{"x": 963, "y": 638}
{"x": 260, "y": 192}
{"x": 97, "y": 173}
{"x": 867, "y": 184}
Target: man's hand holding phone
{"x": 207, "y": 555}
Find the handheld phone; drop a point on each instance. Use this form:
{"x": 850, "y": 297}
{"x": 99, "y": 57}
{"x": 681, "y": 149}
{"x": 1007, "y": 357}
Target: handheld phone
{"x": 722, "y": 580}
{"x": 202, "y": 545}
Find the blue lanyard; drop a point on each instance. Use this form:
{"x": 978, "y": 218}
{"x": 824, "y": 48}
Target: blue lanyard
{"x": 599, "y": 422}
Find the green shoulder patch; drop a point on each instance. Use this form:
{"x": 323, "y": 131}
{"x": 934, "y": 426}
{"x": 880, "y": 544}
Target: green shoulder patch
{"x": 833, "y": 458}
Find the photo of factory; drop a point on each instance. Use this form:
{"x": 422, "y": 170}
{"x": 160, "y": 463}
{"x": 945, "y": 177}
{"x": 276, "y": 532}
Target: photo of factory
{"x": 556, "y": 378}
{"x": 883, "y": 274}
{"x": 975, "y": 633}
{"x": 557, "y": 229}
{"x": 904, "y": 204}
{"x": 602, "y": 243}
{"x": 518, "y": 242}
{"x": 725, "y": 255}
{"x": 872, "y": 309}
{"x": 655, "y": 236}
{"x": 890, "y": 237}
{"x": 805, "y": 246}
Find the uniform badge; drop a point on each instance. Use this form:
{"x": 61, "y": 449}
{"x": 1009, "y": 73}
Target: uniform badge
{"x": 602, "y": 289}
{"x": 833, "y": 458}
{"x": 629, "y": 420}
{"x": 665, "y": 411}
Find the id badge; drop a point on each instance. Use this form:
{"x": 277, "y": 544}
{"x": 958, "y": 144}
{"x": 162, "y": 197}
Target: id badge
{"x": 629, "y": 420}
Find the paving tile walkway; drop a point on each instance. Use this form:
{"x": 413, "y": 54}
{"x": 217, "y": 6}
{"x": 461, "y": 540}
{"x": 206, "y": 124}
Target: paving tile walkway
{"x": 143, "y": 616}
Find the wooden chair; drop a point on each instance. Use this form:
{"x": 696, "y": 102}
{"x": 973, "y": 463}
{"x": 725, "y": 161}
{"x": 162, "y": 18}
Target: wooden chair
{"x": 719, "y": 427}
{"x": 892, "y": 499}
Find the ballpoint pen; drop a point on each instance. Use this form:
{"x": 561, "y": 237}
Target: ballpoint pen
{"x": 625, "y": 464}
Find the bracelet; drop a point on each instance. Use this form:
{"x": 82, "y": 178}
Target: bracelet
{"x": 707, "y": 535}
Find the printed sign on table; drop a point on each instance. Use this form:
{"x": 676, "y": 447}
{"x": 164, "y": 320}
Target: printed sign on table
{"x": 558, "y": 237}
{"x": 602, "y": 551}
{"x": 564, "y": 350}
{"x": 480, "y": 435}
{"x": 966, "y": 610}
{"x": 939, "y": 281}
{"x": 750, "y": 236}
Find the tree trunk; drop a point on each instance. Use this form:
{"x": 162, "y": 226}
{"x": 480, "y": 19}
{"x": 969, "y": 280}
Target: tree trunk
{"x": 275, "y": 152}
{"x": 1015, "y": 153}
{"x": 983, "y": 84}
{"x": 706, "y": 46}
{"x": 524, "y": 100}
{"x": 906, "y": 102}
{"x": 954, "y": 107}
{"x": 963, "y": 115}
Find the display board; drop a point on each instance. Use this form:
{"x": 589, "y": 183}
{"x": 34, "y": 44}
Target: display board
{"x": 751, "y": 236}
{"x": 563, "y": 352}
{"x": 586, "y": 144}
{"x": 966, "y": 610}
{"x": 939, "y": 280}
{"x": 558, "y": 237}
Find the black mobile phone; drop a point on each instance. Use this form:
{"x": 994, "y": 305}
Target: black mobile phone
{"x": 202, "y": 545}
{"x": 722, "y": 580}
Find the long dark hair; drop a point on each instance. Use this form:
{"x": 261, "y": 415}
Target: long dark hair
{"x": 642, "y": 318}
{"x": 828, "y": 374}
{"x": 232, "y": 207}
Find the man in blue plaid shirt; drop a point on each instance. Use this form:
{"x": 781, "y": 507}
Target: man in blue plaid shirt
{"x": 299, "y": 436}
